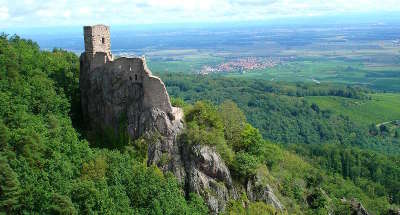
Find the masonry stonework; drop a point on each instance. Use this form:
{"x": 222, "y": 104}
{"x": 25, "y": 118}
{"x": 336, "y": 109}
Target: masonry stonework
{"x": 97, "y": 39}
{"x": 123, "y": 95}
{"x": 121, "y": 88}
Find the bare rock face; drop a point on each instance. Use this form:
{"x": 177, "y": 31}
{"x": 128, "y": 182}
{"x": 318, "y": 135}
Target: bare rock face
{"x": 208, "y": 176}
{"x": 394, "y": 212}
{"x": 165, "y": 151}
{"x": 258, "y": 190}
{"x": 357, "y": 208}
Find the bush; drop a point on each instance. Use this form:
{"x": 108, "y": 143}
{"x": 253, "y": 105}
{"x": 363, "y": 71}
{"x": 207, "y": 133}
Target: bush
{"x": 204, "y": 127}
{"x": 260, "y": 208}
{"x": 245, "y": 164}
{"x": 177, "y": 102}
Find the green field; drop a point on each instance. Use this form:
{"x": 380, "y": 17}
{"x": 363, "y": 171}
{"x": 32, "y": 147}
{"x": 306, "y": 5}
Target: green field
{"x": 382, "y": 107}
{"x": 380, "y": 77}
{"x": 175, "y": 61}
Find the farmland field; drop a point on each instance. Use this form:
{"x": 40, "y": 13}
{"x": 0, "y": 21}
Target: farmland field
{"x": 363, "y": 54}
{"x": 382, "y": 107}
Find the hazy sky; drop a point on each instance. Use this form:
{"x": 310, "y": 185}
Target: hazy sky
{"x": 24, "y": 13}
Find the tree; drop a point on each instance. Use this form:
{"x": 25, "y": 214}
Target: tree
{"x": 384, "y": 129}
{"x": 260, "y": 208}
{"x": 9, "y": 187}
{"x": 315, "y": 107}
{"x": 62, "y": 205}
{"x": 234, "y": 122}
{"x": 397, "y": 133}
{"x": 250, "y": 136}
{"x": 373, "y": 130}
{"x": 317, "y": 200}
{"x": 245, "y": 164}
{"x": 4, "y": 136}
{"x": 205, "y": 127}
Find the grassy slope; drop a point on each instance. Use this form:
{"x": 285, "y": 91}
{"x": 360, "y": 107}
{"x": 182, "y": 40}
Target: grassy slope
{"x": 381, "y": 108}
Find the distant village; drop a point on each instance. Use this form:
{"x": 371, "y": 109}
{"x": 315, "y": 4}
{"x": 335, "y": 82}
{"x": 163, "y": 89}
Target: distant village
{"x": 241, "y": 65}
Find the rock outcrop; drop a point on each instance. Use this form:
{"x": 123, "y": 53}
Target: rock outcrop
{"x": 122, "y": 95}
{"x": 208, "y": 176}
{"x": 357, "y": 208}
{"x": 258, "y": 189}
{"x": 394, "y": 212}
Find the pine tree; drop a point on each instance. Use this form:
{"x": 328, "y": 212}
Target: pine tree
{"x": 9, "y": 187}
{"x": 4, "y": 135}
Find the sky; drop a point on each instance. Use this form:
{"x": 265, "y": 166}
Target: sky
{"x": 39, "y": 13}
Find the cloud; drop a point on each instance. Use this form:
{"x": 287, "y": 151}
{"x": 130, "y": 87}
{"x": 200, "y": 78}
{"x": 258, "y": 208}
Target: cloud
{"x": 78, "y": 12}
{"x": 4, "y": 13}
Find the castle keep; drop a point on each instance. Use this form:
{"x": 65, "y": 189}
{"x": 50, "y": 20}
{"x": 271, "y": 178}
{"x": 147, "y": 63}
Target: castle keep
{"x": 112, "y": 89}
{"x": 97, "y": 39}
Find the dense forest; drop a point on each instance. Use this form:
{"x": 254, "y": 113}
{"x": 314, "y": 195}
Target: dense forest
{"x": 279, "y": 110}
{"x": 366, "y": 155}
{"x": 314, "y": 159}
{"x": 46, "y": 167}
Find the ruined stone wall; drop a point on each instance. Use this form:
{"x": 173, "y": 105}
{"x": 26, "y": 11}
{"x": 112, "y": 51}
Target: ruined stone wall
{"x": 115, "y": 89}
{"x": 97, "y": 39}
{"x": 112, "y": 89}
{"x": 155, "y": 94}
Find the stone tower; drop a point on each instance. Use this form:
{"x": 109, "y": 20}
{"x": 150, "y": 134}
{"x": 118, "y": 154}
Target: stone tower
{"x": 97, "y": 39}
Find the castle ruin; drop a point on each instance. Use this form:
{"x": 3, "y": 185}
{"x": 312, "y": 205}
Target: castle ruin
{"x": 122, "y": 95}
{"x": 118, "y": 89}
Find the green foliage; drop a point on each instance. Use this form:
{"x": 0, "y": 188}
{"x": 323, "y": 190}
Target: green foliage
{"x": 95, "y": 169}
{"x": 279, "y": 110}
{"x": 138, "y": 149}
{"x": 376, "y": 173}
{"x": 205, "y": 127}
{"x": 234, "y": 122}
{"x": 245, "y": 164}
{"x": 253, "y": 151}
{"x": 318, "y": 201}
{"x": 205, "y": 115}
{"x": 177, "y": 102}
{"x": 62, "y": 205}
{"x": 45, "y": 168}
{"x": 235, "y": 208}
{"x": 109, "y": 137}
{"x": 269, "y": 153}
{"x": 253, "y": 208}
{"x": 260, "y": 208}
{"x": 4, "y": 137}
{"x": 381, "y": 107}
{"x": 323, "y": 116}
{"x": 250, "y": 138}
{"x": 197, "y": 205}
{"x": 397, "y": 133}
{"x": 341, "y": 208}
{"x": 10, "y": 189}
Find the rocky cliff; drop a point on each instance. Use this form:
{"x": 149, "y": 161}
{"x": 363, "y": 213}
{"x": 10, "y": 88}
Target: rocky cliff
{"x": 123, "y": 95}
